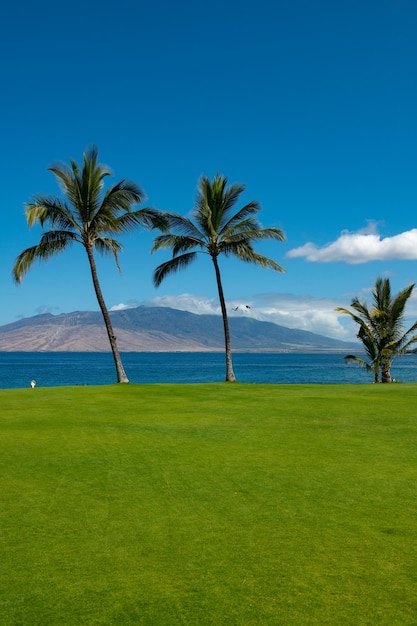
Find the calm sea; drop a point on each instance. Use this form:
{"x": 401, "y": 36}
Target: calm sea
{"x": 51, "y": 369}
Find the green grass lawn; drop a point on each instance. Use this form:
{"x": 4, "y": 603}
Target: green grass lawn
{"x": 222, "y": 504}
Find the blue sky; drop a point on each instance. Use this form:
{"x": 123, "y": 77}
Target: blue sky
{"x": 311, "y": 105}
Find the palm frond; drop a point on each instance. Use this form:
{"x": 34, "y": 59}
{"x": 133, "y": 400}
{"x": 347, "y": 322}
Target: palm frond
{"x": 172, "y": 266}
{"x": 404, "y": 347}
{"x": 254, "y": 234}
{"x": 177, "y": 243}
{"x": 49, "y": 210}
{"x": 103, "y": 222}
{"x": 412, "y": 328}
{"x": 59, "y": 237}
{"x": 361, "y": 308}
{"x": 165, "y": 241}
{"x": 381, "y": 294}
{"x": 230, "y": 197}
{"x": 107, "y": 219}
{"x": 146, "y": 217}
{"x": 212, "y": 229}
{"x": 381, "y": 328}
{"x": 69, "y": 182}
{"x": 349, "y": 358}
{"x": 51, "y": 244}
{"x": 214, "y": 202}
{"x": 405, "y": 341}
{"x": 177, "y": 224}
{"x": 108, "y": 246}
{"x": 244, "y": 226}
{"x": 248, "y": 255}
{"x": 64, "y": 176}
{"x": 248, "y": 211}
{"x": 82, "y": 188}
{"x": 123, "y": 196}
{"x": 398, "y": 304}
{"x": 84, "y": 211}
{"x": 355, "y": 317}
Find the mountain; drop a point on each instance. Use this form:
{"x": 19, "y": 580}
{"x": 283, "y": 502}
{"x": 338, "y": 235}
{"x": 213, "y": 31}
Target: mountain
{"x": 156, "y": 329}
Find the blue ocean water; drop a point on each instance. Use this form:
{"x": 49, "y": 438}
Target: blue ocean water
{"x": 51, "y": 369}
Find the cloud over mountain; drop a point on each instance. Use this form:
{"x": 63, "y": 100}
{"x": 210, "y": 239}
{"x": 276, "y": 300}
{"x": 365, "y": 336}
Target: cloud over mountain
{"x": 305, "y": 312}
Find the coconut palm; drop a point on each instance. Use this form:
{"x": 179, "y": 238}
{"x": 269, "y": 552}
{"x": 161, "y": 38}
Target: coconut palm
{"x": 381, "y": 329}
{"x": 215, "y": 230}
{"x": 88, "y": 216}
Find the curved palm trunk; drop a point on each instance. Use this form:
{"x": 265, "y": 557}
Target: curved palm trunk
{"x": 230, "y": 375}
{"x": 121, "y": 374}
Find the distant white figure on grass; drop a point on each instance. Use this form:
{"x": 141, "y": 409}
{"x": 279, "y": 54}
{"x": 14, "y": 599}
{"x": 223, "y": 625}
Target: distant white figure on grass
{"x": 32, "y": 383}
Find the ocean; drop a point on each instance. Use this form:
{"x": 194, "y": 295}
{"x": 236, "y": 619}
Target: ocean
{"x": 51, "y": 369}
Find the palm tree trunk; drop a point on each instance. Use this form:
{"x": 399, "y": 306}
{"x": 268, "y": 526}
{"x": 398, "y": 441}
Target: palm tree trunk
{"x": 121, "y": 374}
{"x": 230, "y": 375}
{"x": 386, "y": 372}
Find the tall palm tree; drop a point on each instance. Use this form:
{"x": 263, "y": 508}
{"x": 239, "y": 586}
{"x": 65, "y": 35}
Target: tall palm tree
{"x": 381, "y": 328}
{"x": 87, "y": 216}
{"x": 215, "y": 230}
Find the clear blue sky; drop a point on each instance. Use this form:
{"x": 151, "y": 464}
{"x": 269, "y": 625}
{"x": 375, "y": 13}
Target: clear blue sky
{"x": 312, "y": 105}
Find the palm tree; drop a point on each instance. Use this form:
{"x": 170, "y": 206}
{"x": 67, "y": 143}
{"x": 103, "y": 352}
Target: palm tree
{"x": 215, "y": 230}
{"x": 381, "y": 328}
{"x": 87, "y": 216}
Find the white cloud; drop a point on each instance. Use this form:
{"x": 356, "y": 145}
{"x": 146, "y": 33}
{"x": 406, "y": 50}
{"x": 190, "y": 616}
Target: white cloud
{"x": 131, "y": 304}
{"x": 316, "y": 315}
{"x": 361, "y": 247}
{"x": 411, "y": 310}
{"x": 188, "y": 302}
{"x": 45, "y": 308}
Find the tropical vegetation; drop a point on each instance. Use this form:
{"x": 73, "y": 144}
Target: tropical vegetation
{"x": 381, "y": 328}
{"x": 215, "y": 229}
{"x": 208, "y": 504}
{"x": 89, "y": 217}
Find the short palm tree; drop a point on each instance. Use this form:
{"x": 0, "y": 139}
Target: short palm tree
{"x": 87, "y": 216}
{"x": 381, "y": 329}
{"x": 214, "y": 229}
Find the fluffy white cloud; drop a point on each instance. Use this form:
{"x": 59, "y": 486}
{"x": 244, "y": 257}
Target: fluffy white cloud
{"x": 316, "y": 315}
{"x": 188, "y": 302}
{"x": 120, "y": 307}
{"x": 361, "y": 247}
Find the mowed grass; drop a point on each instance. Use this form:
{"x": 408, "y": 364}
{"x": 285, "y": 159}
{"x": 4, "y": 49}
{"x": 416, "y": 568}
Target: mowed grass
{"x": 223, "y": 504}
